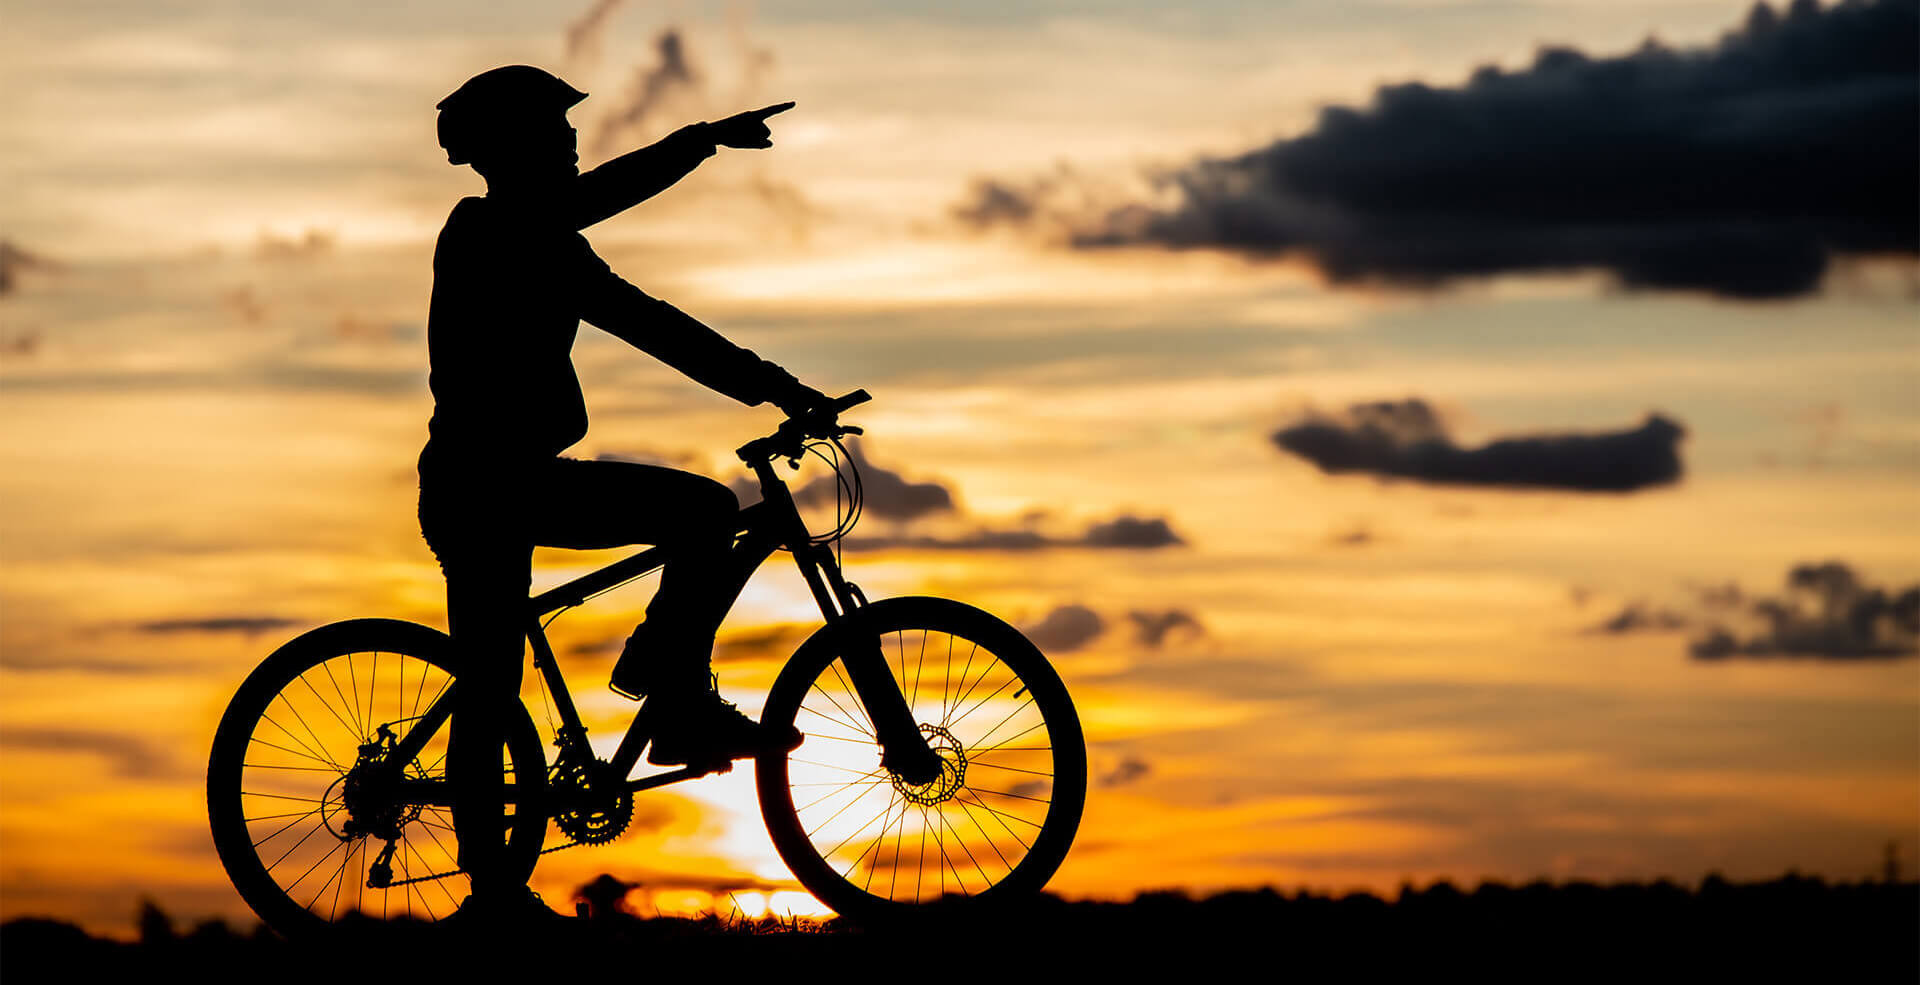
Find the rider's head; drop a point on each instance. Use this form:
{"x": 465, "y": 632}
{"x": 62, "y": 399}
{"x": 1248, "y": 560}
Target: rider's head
{"x": 511, "y": 124}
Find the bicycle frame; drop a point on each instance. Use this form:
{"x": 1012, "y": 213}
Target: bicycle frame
{"x": 763, "y": 528}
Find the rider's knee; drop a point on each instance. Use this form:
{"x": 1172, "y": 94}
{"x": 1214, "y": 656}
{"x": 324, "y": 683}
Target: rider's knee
{"x": 715, "y": 508}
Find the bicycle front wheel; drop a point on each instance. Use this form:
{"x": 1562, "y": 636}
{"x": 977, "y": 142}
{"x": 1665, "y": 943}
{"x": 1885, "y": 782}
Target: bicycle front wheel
{"x": 306, "y": 838}
{"x": 998, "y": 821}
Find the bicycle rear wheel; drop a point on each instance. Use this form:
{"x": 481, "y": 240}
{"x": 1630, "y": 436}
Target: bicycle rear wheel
{"x": 301, "y": 836}
{"x": 1001, "y": 817}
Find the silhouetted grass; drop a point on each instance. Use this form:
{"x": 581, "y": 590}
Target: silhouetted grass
{"x": 1792, "y": 927}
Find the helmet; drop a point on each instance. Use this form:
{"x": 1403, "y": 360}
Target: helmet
{"x": 471, "y": 113}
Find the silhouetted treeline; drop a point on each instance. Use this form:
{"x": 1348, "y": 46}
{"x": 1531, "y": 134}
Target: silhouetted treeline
{"x": 1792, "y": 927}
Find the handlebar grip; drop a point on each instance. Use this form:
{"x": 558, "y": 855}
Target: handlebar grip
{"x": 853, "y": 399}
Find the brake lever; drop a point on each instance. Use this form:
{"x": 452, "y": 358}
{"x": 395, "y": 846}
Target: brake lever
{"x": 852, "y": 429}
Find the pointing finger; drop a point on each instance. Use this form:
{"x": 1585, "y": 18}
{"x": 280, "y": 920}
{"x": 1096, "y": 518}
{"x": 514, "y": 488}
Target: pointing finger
{"x": 767, "y": 111}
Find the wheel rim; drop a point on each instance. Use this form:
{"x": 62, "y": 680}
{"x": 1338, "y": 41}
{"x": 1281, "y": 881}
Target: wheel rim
{"x": 315, "y": 829}
{"x": 973, "y": 830}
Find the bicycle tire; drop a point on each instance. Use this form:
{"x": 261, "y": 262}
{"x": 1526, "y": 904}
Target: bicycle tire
{"x": 254, "y": 753}
{"x": 1004, "y": 853}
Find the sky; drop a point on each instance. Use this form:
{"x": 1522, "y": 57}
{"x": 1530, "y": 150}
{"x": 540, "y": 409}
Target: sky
{"x": 1094, "y": 261}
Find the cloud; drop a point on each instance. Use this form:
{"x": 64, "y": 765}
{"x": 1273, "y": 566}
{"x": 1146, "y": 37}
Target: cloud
{"x": 1827, "y": 613}
{"x": 1124, "y": 531}
{"x": 706, "y": 882}
{"x": 128, "y": 757}
{"x": 1406, "y": 439}
{"x": 21, "y": 345}
{"x": 657, "y": 457}
{"x": 13, "y": 260}
{"x": 1153, "y": 628}
{"x": 887, "y": 494}
{"x": 1065, "y": 629}
{"x": 249, "y": 625}
{"x": 1636, "y": 617}
{"x": 891, "y": 496}
{"x": 586, "y": 34}
{"x": 27, "y": 661}
{"x": 311, "y": 243}
{"x": 1741, "y": 169}
{"x": 671, "y": 75}
{"x": 1132, "y": 531}
{"x": 1129, "y": 770}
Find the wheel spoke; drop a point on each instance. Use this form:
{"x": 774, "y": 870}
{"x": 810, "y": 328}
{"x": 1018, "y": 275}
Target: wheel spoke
{"x": 997, "y": 725}
{"x": 846, "y": 688}
{"x": 830, "y": 718}
{"x": 352, "y": 728}
{"x": 1015, "y": 769}
{"x": 970, "y": 838}
{"x": 277, "y": 747}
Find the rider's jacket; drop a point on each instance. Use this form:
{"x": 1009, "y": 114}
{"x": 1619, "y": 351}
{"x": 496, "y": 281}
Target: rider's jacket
{"x": 511, "y": 282}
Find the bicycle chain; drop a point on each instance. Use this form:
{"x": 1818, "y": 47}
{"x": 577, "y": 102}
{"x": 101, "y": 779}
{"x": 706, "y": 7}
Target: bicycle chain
{"x": 455, "y": 872}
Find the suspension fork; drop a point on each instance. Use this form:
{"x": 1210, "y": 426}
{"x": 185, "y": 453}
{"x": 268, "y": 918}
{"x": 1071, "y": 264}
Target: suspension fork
{"x": 903, "y": 746}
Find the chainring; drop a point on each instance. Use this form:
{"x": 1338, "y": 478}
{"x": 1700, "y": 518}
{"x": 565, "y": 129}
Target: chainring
{"x": 599, "y": 805}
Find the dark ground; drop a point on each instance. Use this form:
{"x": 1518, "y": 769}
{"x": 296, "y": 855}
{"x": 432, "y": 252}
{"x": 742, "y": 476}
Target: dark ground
{"x": 1788, "y": 929}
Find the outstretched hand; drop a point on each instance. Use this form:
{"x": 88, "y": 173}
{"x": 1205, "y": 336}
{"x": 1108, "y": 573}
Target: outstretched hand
{"x": 747, "y": 130}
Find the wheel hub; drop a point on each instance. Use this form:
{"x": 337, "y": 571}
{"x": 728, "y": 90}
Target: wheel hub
{"x": 953, "y": 770}
{"x": 365, "y": 801}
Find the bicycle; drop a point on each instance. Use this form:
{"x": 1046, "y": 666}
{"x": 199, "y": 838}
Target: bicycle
{"x": 342, "y": 730}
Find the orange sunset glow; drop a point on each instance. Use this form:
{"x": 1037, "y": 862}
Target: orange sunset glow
{"x": 1255, "y": 490}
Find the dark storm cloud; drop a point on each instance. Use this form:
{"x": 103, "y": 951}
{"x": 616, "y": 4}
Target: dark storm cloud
{"x": 1066, "y": 628}
{"x": 887, "y": 494}
{"x": 128, "y": 757}
{"x": 1153, "y": 628}
{"x": 1827, "y": 613}
{"x": 1741, "y": 169}
{"x": 1406, "y": 439}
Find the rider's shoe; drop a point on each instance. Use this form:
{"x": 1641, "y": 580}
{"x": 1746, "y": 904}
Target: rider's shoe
{"x": 644, "y": 666}
{"x": 486, "y": 914}
{"x": 700, "y": 728}
{"x": 630, "y": 677}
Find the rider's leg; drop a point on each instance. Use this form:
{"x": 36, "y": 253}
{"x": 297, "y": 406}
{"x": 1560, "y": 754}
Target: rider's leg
{"x": 607, "y": 504}
{"x": 486, "y": 607}
{"x": 600, "y": 504}
{"x": 471, "y": 521}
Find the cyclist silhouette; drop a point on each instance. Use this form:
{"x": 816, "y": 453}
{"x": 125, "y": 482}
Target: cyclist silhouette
{"x": 513, "y": 278}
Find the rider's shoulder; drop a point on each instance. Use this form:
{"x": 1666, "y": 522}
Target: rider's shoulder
{"x": 471, "y": 214}
{"x": 473, "y": 223}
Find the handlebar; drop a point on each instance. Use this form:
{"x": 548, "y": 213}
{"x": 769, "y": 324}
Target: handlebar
{"x": 789, "y": 440}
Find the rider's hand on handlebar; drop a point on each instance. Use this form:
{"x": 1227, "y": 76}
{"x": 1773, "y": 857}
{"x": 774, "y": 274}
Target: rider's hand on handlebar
{"x": 800, "y": 400}
{"x": 786, "y": 392}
